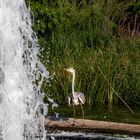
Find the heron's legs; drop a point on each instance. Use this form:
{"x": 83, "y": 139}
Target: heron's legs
{"x": 83, "y": 113}
{"x": 73, "y": 115}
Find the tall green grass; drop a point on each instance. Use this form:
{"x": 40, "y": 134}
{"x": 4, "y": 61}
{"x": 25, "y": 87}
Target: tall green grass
{"x": 119, "y": 62}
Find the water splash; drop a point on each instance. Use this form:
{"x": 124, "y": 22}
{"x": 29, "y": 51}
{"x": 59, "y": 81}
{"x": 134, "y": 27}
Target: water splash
{"x": 21, "y": 75}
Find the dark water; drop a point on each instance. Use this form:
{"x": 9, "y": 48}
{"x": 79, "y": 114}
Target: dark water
{"x": 82, "y": 136}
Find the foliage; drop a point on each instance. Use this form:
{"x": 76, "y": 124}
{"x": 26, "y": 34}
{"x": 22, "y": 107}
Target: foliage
{"x": 87, "y": 34}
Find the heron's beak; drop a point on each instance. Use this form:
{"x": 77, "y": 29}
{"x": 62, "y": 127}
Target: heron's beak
{"x": 66, "y": 69}
{"x": 69, "y": 70}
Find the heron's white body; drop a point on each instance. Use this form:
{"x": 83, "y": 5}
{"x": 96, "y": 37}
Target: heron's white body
{"x": 77, "y": 97}
{"x": 75, "y": 101}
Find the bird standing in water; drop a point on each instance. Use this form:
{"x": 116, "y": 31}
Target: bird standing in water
{"x": 76, "y": 98}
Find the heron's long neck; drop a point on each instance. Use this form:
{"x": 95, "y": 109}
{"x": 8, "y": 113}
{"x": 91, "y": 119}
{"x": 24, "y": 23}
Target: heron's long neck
{"x": 73, "y": 82}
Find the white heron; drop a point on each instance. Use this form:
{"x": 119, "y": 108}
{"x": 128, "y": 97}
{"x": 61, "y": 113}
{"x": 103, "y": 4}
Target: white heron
{"x": 75, "y": 98}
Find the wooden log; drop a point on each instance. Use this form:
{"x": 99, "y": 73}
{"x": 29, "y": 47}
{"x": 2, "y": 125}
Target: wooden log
{"x": 92, "y": 125}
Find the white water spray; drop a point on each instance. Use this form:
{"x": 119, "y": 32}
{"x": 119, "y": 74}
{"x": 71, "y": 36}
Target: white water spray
{"x": 21, "y": 103}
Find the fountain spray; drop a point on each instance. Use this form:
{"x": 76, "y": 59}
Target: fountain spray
{"x": 22, "y": 108}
